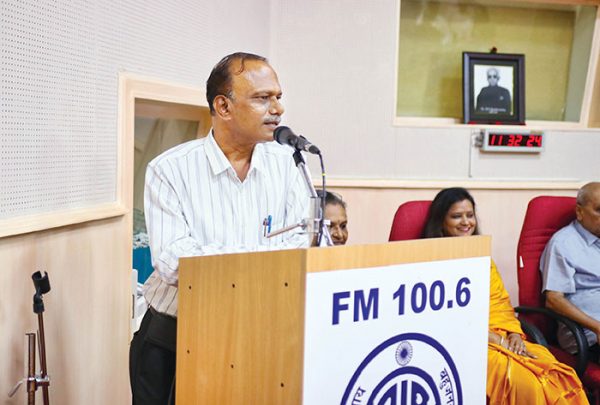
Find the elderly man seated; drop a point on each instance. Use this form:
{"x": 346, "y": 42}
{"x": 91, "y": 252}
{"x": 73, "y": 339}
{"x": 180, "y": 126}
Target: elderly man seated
{"x": 570, "y": 267}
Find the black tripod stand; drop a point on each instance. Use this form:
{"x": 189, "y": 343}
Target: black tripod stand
{"x": 33, "y": 380}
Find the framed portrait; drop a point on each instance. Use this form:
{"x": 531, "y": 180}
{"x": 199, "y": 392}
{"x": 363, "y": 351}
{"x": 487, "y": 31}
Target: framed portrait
{"x": 493, "y": 88}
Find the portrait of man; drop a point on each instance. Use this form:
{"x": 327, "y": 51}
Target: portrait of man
{"x": 493, "y": 98}
{"x": 493, "y": 88}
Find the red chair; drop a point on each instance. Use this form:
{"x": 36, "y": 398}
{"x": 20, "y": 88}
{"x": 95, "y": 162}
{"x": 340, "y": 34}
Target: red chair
{"x": 545, "y": 216}
{"x": 409, "y": 220}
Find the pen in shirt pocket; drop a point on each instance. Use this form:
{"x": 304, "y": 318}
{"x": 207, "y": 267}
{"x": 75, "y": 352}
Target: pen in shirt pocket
{"x": 267, "y": 225}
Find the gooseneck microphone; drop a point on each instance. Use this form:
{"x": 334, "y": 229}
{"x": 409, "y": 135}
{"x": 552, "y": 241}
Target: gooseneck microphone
{"x": 315, "y": 224}
{"x": 286, "y": 136}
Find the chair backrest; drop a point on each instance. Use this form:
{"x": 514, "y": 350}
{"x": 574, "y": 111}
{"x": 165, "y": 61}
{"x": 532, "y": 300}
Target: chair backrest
{"x": 410, "y": 220}
{"x": 544, "y": 216}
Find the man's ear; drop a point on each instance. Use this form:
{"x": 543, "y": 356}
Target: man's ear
{"x": 221, "y": 106}
{"x": 578, "y": 213}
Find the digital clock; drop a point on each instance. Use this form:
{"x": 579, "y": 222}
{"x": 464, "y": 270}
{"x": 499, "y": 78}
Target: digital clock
{"x": 512, "y": 141}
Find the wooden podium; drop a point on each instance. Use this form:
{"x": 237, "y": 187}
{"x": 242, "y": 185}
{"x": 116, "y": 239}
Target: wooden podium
{"x": 241, "y": 319}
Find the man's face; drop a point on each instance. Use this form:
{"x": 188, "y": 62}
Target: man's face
{"x": 493, "y": 77}
{"x": 255, "y": 102}
{"x": 588, "y": 214}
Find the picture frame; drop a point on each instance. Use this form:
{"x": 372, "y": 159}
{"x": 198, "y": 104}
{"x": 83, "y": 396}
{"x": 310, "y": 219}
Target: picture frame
{"x": 493, "y": 88}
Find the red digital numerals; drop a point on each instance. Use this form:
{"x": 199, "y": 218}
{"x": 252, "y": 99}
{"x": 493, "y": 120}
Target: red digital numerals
{"x": 516, "y": 140}
{"x": 534, "y": 141}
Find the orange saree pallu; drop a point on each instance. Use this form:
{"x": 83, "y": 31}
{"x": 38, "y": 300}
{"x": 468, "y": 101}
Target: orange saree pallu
{"x": 516, "y": 379}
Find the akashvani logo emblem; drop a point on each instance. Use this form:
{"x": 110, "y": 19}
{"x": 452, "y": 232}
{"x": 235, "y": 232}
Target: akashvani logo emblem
{"x": 408, "y": 369}
{"x": 404, "y": 353}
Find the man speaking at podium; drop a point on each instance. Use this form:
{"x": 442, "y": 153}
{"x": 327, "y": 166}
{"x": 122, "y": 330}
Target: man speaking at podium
{"x": 220, "y": 194}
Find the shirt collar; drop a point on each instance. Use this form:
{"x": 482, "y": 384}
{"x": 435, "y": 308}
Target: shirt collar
{"x": 589, "y": 237}
{"x": 216, "y": 158}
{"x": 258, "y": 159}
{"x": 219, "y": 162}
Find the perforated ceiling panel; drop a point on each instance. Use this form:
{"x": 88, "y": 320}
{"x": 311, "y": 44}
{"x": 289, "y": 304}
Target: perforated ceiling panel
{"x": 59, "y": 85}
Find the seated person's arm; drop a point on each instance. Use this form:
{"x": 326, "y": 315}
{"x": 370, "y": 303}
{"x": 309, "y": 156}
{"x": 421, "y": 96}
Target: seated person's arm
{"x": 505, "y": 329}
{"x": 557, "y": 302}
{"x": 558, "y": 279}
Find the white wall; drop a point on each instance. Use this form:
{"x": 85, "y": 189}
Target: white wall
{"x": 336, "y": 62}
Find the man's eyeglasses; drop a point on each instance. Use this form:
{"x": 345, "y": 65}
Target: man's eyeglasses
{"x": 492, "y": 76}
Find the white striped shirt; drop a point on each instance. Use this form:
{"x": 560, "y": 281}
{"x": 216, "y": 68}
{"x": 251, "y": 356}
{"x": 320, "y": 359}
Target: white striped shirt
{"x": 195, "y": 204}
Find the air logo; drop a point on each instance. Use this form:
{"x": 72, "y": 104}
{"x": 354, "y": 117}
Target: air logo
{"x": 405, "y": 393}
{"x": 408, "y": 369}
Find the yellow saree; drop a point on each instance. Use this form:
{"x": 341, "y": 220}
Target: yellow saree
{"x": 515, "y": 379}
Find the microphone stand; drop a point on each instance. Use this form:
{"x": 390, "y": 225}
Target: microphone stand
{"x": 315, "y": 223}
{"x": 33, "y": 381}
{"x": 316, "y": 206}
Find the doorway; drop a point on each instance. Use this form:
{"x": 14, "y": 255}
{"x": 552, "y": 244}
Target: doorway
{"x": 154, "y": 116}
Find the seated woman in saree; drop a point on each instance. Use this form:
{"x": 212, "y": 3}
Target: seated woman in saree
{"x": 519, "y": 372}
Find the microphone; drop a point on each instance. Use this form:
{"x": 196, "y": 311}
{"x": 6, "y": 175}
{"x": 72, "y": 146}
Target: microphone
{"x": 285, "y": 136}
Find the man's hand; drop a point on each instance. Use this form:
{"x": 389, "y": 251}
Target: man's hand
{"x": 557, "y": 302}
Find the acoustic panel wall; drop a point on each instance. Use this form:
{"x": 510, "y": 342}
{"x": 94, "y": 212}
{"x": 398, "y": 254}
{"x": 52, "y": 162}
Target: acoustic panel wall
{"x": 59, "y": 82}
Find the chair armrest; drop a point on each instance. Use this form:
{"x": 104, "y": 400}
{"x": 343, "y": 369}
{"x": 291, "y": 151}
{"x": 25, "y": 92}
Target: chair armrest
{"x": 533, "y": 332}
{"x": 582, "y": 355}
